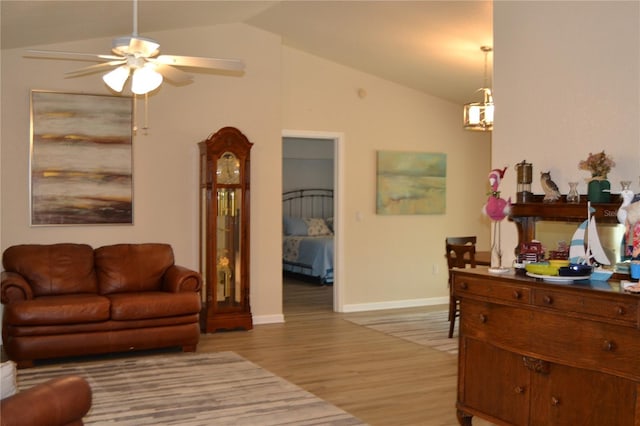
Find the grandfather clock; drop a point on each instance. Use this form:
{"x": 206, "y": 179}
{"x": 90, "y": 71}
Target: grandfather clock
{"x": 224, "y": 230}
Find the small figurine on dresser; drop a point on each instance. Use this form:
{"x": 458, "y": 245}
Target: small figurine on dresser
{"x": 551, "y": 191}
{"x": 496, "y": 208}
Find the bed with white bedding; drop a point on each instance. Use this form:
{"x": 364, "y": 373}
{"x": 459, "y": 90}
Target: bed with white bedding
{"x": 307, "y": 241}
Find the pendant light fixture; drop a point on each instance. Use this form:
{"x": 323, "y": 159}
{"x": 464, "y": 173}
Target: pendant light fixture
{"x": 479, "y": 115}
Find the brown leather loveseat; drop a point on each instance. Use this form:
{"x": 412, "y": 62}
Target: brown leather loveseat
{"x": 69, "y": 299}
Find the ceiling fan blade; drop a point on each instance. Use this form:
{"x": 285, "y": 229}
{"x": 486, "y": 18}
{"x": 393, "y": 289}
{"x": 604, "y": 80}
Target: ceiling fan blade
{"x": 56, "y": 54}
{"x": 171, "y": 73}
{"x": 95, "y": 68}
{"x": 198, "y": 62}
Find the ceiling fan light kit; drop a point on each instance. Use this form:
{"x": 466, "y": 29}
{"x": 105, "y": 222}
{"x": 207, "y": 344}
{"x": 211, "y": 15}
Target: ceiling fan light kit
{"x": 145, "y": 80}
{"x": 115, "y": 79}
{"x": 479, "y": 115}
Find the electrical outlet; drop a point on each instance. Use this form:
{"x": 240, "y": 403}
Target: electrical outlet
{"x": 435, "y": 269}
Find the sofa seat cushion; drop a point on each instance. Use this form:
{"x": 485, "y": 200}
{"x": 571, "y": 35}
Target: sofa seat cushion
{"x": 97, "y": 328}
{"x": 152, "y": 304}
{"x": 53, "y": 310}
{"x": 52, "y": 269}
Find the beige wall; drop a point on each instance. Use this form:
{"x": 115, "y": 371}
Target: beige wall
{"x": 389, "y": 260}
{"x": 566, "y": 83}
{"x": 566, "y": 80}
{"x": 165, "y": 161}
{"x": 282, "y": 89}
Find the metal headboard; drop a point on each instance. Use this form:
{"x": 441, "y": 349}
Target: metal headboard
{"x": 312, "y": 202}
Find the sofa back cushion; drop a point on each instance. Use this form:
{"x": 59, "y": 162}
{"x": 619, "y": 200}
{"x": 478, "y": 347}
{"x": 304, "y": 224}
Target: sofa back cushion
{"x": 52, "y": 269}
{"x": 132, "y": 267}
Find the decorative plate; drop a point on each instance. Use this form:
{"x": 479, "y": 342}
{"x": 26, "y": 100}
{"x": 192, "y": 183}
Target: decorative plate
{"x": 557, "y": 278}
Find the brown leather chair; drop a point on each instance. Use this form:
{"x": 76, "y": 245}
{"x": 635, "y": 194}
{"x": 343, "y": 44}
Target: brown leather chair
{"x": 460, "y": 252}
{"x": 62, "y": 401}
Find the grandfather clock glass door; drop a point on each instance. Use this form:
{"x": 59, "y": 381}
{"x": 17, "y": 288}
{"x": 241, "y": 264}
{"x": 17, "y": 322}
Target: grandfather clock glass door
{"x": 225, "y": 230}
{"x": 228, "y": 246}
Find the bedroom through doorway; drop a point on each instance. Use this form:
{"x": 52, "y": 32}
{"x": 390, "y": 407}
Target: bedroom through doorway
{"x": 309, "y": 209}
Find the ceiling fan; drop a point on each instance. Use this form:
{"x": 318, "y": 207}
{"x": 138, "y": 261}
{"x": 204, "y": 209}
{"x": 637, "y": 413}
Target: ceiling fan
{"x": 140, "y": 57}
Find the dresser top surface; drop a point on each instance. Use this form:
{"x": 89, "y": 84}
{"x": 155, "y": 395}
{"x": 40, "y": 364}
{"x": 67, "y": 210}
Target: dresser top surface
{"x": 610, "y": 287}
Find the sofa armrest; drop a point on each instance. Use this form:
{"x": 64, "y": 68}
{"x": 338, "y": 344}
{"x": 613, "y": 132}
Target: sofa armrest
{"x": 14, "y": 288}
{"x": 61, "y": 401}
{"x": 178, "y": 278}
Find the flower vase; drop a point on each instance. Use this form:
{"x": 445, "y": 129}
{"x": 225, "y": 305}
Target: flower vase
{"x": 573, "y": 197}
{"x": 599, "y": 191}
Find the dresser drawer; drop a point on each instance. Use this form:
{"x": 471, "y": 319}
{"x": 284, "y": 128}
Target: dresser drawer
{"x": 572, "y": 341}
{"x": 471, "y": 286}
{"x": 597, "y": 305}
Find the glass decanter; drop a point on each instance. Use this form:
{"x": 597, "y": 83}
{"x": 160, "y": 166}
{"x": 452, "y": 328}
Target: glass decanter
{"x": 573, "y": 197}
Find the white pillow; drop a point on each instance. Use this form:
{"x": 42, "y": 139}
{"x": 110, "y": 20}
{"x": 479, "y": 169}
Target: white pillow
{"x": 8, "y": 383}
{"x": 317, "y": 227}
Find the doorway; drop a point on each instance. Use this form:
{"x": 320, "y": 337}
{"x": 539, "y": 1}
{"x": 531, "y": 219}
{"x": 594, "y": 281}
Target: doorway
{"x": 312, "y": 160}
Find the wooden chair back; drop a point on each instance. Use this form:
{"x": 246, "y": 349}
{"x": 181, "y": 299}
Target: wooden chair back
{"x": 459, "y": 256}
{"x": 461, "y": 240}
{"x": 461, "y": 251}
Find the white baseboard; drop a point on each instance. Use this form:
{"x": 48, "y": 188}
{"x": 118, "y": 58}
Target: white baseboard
{"x": 362, "y": 307}
{"x": 268, "y": 319}
{"x": 396, "y": 304}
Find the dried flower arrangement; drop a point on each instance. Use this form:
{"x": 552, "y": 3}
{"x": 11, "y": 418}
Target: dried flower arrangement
{"x": 599, "y": 164}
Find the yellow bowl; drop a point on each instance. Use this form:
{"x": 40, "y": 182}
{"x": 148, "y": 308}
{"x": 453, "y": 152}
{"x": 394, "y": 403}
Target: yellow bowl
{"x": 541, "y": 268}
{"x": 558, "y": 263}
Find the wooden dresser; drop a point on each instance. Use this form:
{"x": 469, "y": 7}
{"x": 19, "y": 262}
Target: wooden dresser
{"x": 538, "y": 353}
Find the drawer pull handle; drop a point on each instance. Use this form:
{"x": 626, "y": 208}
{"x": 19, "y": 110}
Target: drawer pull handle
{"x": 483, "y": 318}
{"x": 463, "y": 285}
{"x": 555, "y": 400}
{"x": 620, "y": 310}
{"x": 519, "y": 389}
{"x": 608, "y": 346}
{"x": 548, "y": 300}
{"x": 517, "y": 295}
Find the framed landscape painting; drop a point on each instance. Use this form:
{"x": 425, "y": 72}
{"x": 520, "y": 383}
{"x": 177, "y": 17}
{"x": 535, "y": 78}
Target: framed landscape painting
{"x": 81, "y": 159}
{"x": 411, "y": 183}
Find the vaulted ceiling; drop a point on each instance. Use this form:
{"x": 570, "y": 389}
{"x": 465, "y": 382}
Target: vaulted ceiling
{"x": 431, "y": 46}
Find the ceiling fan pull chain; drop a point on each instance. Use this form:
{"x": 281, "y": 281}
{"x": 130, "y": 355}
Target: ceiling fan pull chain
{"x": 145, "y": 126}
{"x": 135, "y": 115}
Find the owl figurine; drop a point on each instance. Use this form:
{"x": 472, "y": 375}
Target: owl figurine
{"x": 551, "y": 192}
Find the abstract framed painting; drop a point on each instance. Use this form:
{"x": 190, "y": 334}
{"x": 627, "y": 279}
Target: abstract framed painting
{"x": 80, "y": 159}
{"x": 411, "y": 183}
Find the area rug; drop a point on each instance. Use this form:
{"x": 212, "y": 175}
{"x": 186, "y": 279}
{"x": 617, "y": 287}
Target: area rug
{"x": 191, "y": 389}
{"x": 429, "y": 329}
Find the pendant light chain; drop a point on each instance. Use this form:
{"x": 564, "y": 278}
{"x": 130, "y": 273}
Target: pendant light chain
{"x": 486, "y": 51}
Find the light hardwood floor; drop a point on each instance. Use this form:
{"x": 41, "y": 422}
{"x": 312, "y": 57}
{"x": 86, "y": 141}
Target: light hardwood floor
{"x": 380, "y": 379}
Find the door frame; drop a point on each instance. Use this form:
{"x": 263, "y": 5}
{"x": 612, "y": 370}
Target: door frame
{"x": 338, "y": 206}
